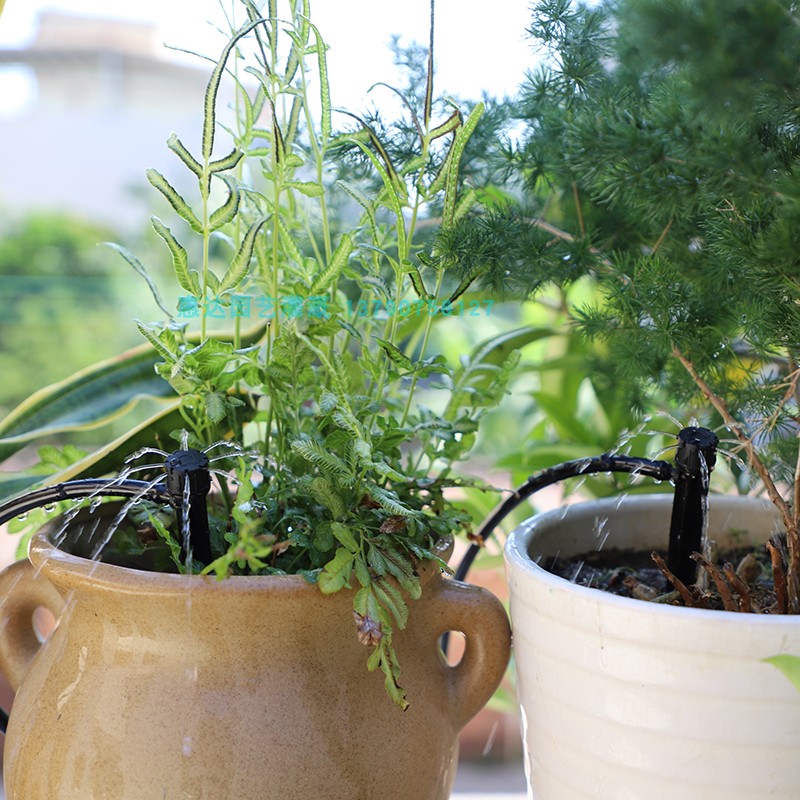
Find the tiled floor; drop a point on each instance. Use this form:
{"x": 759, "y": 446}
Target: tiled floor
{"x": 476, "y": 780}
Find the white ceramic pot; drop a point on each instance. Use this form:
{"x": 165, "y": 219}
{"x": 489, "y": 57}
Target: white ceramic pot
{"x": 627, "y": 700}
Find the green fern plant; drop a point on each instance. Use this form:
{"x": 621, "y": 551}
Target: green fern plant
{"x": 352, "y": 428}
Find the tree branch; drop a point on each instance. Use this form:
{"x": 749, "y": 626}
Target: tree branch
{"x": 746, "y": 441}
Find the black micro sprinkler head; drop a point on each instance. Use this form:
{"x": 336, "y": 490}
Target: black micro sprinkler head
{"x": 694, "y": 460}
{"x": 188, "y": 483}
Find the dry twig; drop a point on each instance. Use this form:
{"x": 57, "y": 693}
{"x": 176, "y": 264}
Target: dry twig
{"x": 716, "y": 575}
{"x": 778, "y": 578}
{"x": 679, "y": 586}
{"x": 742, "y": 589}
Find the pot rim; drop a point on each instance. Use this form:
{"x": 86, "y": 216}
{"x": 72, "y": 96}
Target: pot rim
{"x": 520, "y": 567}
{"x": 61, "y": 566}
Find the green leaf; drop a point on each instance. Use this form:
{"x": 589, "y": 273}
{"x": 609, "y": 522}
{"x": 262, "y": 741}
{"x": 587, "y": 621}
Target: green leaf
{"x": 308, "y": 188}
{"x": 227, "y": 162}
{"x": 336, "y": 573}
{"x": 156, "y": 343}
{"x": 395, "y": 193}
{"x": 789, "y": 665}
{"x": 389, "y": 501}
{"x": 215, "y": 406}
{"x": 324, "y": 86}
{"x": 448, "y": 126}
{"x": 96, "y": 396}
{"x": 416, "y": 281}
{"x": 212, "y": 89}
{"x": 177, "y": 202}
{"x": 180, "y": 260}
{"x": 496, "y": 349}
{"x": 390, "y": 598}
{"x": 177, "y": 147}
{"x": 314, "y": 452}
{"x": 139, "y": 267}
{"x": 345, "y": 536}
{"x": 240, "y": 264}
{"x": 227, "y": 211}
{"x": 395, "y": 355}
{"x": 362, "y": 573}
{"x": 323, "y": 491}
{"x": 451, "y": 180}
{"x": 337, "y": 263}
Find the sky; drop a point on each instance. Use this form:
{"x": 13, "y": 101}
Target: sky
{"x": 477, "y": 49}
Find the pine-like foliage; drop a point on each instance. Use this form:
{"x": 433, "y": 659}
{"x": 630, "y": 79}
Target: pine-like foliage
{"x": 661, "y": 156}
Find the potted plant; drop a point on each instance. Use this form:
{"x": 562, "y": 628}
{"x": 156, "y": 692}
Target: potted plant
{"x": 662, "y": 146}
{"x": 244, "y": 669}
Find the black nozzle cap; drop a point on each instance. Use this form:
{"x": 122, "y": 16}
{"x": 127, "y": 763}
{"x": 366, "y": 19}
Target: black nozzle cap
{"x": 187, "y": 465}
{"x": 692, "y": 442}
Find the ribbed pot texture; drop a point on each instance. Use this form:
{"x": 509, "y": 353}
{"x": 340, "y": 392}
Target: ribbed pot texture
{"x": 168, "y": 687}
{"x": 628, "y": 700}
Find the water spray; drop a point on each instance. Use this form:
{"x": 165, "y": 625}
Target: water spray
{"x": 188, "y": 483}
{"x": 694, "y": 460}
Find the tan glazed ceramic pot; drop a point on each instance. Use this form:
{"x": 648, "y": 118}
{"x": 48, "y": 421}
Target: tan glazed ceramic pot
{"x": 168, "y": 687}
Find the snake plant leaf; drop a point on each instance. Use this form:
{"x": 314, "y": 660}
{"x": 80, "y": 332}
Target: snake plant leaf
{"x": 496, "y": 349}
{"x": 12, "y": 484}
{"x": 95, "y": 396}
{"x": 154, "y": 431}
{"x": 87, "y": 400}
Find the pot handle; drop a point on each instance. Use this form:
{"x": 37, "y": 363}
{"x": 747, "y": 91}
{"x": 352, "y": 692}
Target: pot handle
{"x": 22, "y": 591}
{"x": 480, "y": 616}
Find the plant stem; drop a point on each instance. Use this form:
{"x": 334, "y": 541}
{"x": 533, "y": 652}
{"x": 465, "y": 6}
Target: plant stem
{"x": 788, "y": 517}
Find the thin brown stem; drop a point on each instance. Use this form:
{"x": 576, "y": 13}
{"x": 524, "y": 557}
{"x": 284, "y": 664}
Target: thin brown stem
{"x": 663, "y": 236}
{"x": 778, "y": 578}
{"x": 738, "y": 431}
{"x": 577, "y": 199}
{"x": 741, "y": 588}
{"x": 716, "y": 575}
{"x": 792, "y": 577}
{"x": 677, "y": 584}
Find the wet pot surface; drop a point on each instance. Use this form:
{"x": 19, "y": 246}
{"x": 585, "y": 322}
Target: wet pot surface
{"x": 162, "y": 686}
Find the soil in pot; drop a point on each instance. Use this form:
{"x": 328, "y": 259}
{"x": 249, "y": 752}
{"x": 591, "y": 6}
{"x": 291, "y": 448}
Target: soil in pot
{"x": 736, "y": 579}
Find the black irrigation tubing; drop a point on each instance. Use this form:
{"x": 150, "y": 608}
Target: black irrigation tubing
{"x": 659, "y": 470}
{"x": 78, "y": 489}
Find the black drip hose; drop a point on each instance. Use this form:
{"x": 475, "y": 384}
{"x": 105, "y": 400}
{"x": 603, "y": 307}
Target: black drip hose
{"x": 659, "y": 470}
{"x": 90, "y": 487}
